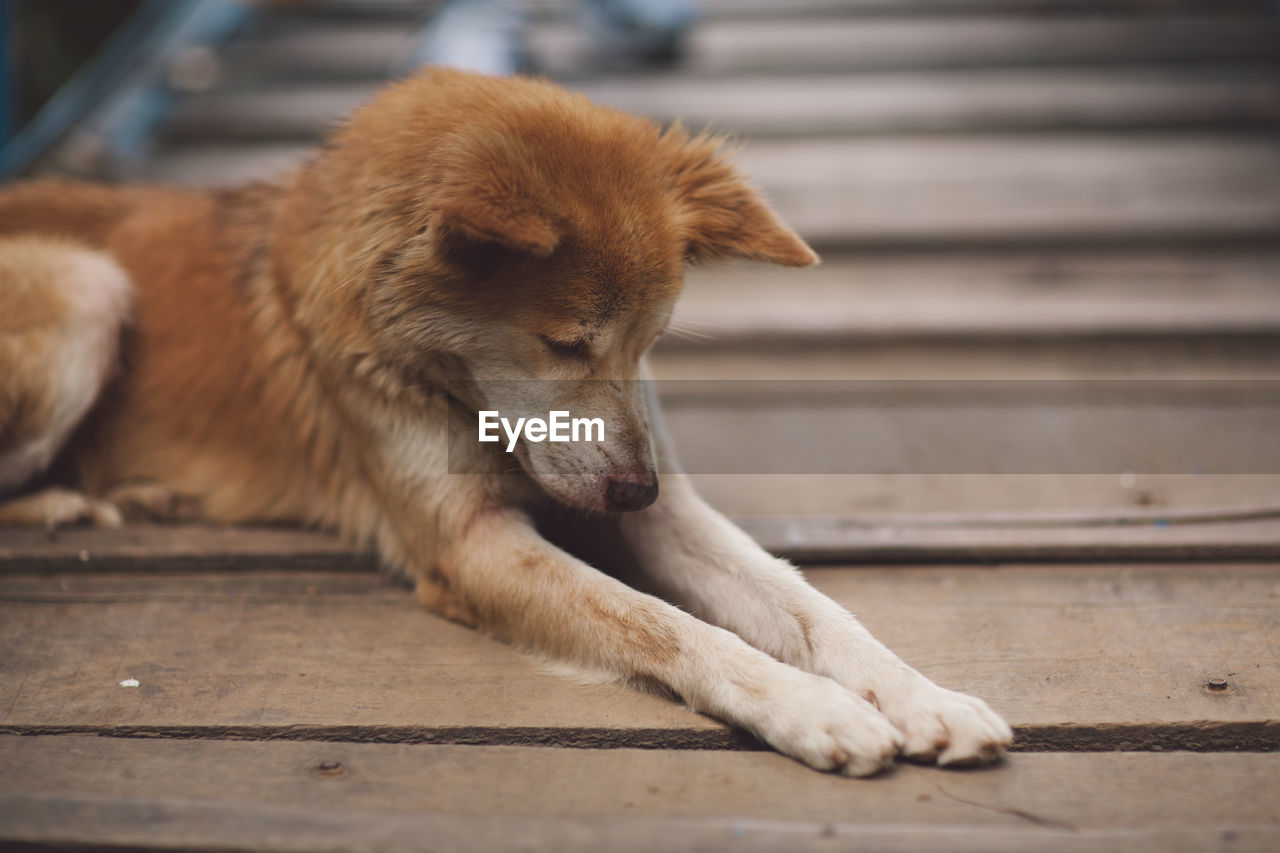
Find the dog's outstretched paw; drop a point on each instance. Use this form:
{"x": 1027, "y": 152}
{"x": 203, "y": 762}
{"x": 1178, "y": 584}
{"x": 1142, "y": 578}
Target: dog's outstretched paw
{"x": 825, "y": 726}
{"x": 57, "y": 507}
{"x": 946, "y": 727}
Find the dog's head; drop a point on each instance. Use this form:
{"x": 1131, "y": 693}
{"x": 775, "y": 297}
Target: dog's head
{"x": 524, "y": 246}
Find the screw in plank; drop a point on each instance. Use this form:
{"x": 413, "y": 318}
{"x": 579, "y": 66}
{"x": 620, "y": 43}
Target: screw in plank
{"x": 1216, "y": 684}
{"x": 329, "y": 770}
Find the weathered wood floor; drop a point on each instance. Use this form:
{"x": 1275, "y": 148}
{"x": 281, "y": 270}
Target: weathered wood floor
{"x": 1002, "y": 190}
{"x": 290, "y": 697}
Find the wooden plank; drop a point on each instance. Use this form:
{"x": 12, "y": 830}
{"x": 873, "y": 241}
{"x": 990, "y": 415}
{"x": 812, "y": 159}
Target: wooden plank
{"x": 937, "y": 356}
{"x": 146, "y": 547}
{"x": 811, "y": 540}
{"x": 989, "y": 189}
{"x": 318, "y": 50}
{"x": 906, "y": 496}
{"x": 944, "y": 101}
{"x": 1166, "y": 534}
{"x": 1083, "y": 657}
{"x": 295, "y": 654}
{"x": 975, "y": 190}
{"x": 272, "y": 796}
{"x": 290, "y": 112}
{"x": 371, "y": 49}
{"x": 771, "y": 9}
{"x": 982, "y": 427}
{"x": 973, "y": 295}
{"x": 1048, "y": 314}
{"x": 221, "y": 164}
{"x": 861, "y": 44}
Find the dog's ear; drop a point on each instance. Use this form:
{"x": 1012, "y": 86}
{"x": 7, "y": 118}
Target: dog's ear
{"x": 720, "y": 214}
{"x": 510, "y": 222}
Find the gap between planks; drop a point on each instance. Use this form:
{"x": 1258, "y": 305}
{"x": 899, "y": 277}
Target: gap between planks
{"x": 1201, "y": 737}
{"x": 1135, "y": 535}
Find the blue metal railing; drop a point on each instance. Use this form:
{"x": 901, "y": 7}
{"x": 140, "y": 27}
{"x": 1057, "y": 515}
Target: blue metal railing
{"x": 119, "y": 96}
{"x": 6, "y": 70}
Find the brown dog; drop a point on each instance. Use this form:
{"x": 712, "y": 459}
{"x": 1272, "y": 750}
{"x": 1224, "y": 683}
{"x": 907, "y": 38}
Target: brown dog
{"x": 317, "y": 351}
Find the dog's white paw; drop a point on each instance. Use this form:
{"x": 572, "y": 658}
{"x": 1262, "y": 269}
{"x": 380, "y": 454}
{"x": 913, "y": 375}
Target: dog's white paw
{"x": 820, "y": 723}
{"x": 941, "y": 725}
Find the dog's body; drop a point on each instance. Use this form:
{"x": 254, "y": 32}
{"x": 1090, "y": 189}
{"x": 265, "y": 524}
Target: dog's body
{"x": 306, "y": 352}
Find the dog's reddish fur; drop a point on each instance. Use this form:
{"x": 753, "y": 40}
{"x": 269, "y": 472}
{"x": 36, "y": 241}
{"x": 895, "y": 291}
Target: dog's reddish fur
{"x": 250, "y": 302}
{"x": 290, "y": 354}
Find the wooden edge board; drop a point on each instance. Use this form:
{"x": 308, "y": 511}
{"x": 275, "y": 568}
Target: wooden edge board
{"x": 180, "y": 549}
{"x": 307, "y": 797}
{"x": 813, "y": 541}
{"x": 102, "y": 824}
{"x": 1082, "y": 657}
{"x": 799, "y": 336}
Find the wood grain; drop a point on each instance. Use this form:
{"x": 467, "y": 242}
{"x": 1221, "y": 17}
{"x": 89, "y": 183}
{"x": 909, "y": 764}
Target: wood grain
{"x": 810, "y": 540}
{"x": 1238, "y": 532}
{"x": 1010, "y": 191}
{"x": 191, "y": 794}
{"x": 1066, "y": 653}
{"x": 165, "y": 548}
{"x": 951, "y": 101}
{"x": 770, "y": 8}
{"x": 329, "y": 49}
{"x": 917, "y": 190}
{"x": 975, "y": 297}
{"x": 852, "y": 43}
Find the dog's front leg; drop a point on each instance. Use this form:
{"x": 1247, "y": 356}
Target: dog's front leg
{"x": 503, "y": 577}
{"x": 692, "y": 555}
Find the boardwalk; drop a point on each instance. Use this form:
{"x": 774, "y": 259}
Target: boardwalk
{"x": 1001, "y": 190}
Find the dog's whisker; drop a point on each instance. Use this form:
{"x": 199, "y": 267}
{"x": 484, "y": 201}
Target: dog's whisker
{"x": 690, "y": 334}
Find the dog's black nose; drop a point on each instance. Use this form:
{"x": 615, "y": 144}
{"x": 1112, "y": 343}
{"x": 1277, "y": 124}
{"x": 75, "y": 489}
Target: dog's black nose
{"x": 626, "y": 495}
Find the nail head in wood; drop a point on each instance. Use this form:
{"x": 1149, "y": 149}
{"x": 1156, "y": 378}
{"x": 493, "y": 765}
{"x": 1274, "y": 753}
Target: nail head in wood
{"x": 329, "y": 770}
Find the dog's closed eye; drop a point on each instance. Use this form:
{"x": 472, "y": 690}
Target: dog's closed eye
{"x": 566, "y": 349}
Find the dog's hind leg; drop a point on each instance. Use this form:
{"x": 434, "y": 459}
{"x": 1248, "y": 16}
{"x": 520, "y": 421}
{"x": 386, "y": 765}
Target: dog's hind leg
{"x": 62, "y": 308}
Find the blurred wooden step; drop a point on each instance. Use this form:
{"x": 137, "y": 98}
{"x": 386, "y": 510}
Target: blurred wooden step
{"x": 995, "y": 427}
{"x": 771, "y": 9}
{"x": 1033, "y": 190}
{"x": 797, "y": 45}
{"x": 1135, "y": 534}
{"x": 64, "y": 791}
{"x": 956, "y": 101}
{"x": 340, "y": 49}
{"x": 810, "y": 540}
{"x": 887, "y": 503}
{"x": 980, "y": 189}
{"x": 1048, "y": 295}
{"x": 335, "y": 656}
{"x": 974, "y": 100}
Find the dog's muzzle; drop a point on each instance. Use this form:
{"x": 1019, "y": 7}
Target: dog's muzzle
{"x": 628, "y": 495}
